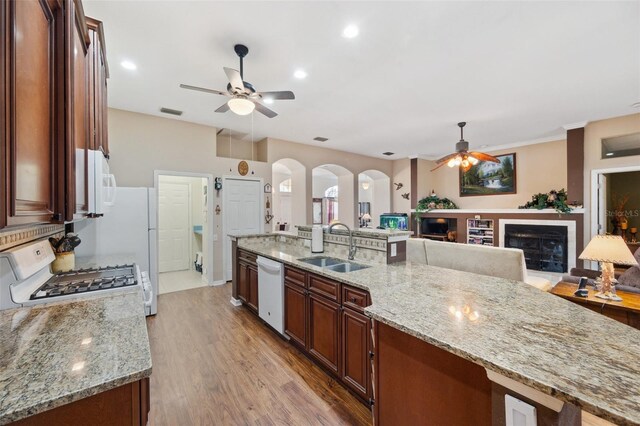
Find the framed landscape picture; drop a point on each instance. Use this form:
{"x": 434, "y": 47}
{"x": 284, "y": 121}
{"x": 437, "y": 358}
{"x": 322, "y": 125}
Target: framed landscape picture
{"x": 488, "y": 178}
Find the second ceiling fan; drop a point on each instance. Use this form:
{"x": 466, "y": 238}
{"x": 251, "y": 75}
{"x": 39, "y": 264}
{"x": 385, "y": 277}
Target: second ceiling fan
{"x": 462, "y": 157}
{"x": 244, "y": 97}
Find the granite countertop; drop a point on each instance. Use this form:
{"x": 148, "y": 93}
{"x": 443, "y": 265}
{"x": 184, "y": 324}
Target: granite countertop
{"x": 54, "y": 354}
{"x": 511, "y": 328}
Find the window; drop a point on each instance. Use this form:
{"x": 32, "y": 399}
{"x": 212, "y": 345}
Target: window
{"x": 331, "y": 192}
{"x": 285, "y": 185}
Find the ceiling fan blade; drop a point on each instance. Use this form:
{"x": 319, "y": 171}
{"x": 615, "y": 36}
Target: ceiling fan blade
{"x": 223, "y": 108}
{"x": 202, "y": 89}
{"x": 235, "y": 79}
{"x": 438, "y": 166}
{"x": 281, "y": 95}
{"x": 484, "y": 157}
{"x": 264, "y": 110}
{"x": 447, "y": 158}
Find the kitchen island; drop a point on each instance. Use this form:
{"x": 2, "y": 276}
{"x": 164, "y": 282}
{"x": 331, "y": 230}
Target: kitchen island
{"x": 517, "y": 333}
{"x": 81, "y": 361}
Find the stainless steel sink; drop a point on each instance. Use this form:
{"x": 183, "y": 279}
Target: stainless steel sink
{"x": 321, "y": 261}
{"x": 347, "y": 267}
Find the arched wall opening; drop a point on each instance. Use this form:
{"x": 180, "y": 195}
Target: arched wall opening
{"x": 334, "y": 197}
{"x": 289, "y": 191}
{"x": 374, "y": 197}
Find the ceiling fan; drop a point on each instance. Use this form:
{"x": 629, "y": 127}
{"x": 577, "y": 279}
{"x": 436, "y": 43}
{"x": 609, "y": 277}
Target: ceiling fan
{"x": 244, "y": 98}
{"x": 462, "y": 157}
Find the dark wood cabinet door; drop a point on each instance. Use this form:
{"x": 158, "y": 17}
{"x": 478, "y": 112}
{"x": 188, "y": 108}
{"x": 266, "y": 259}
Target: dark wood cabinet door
{"x": 295, "y": 313}
{"x": 98, "y": 74}
{"x": 243, "y": 281}
{"x": 252, "y": 300}
{"x": 356, "y": 367}
{"x": 35, "y": 107}
{"x": 324, "y": 331}
{"x": 77, "y": 175}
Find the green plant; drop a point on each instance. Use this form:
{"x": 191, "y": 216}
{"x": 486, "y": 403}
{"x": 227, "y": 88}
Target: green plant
{"x": 434, "y": 202}
{"x": 552, "y": 200}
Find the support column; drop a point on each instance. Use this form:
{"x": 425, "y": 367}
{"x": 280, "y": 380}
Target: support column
{"x": 575, "y": 165}
{"x": 414, "y": 183}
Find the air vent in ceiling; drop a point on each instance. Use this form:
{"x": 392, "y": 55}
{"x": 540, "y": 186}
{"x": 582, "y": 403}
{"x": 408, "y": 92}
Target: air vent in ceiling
{"x": 387, "y": 153}
{"x": 320, "y": 139}
{"x": 171, "y": 111}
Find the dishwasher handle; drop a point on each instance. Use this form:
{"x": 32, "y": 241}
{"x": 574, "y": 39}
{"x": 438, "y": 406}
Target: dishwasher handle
{"x": 269, "y": 266}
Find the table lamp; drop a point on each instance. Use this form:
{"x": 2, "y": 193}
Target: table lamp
{"x": 366, "y": 218}
{"x": 608, "y": 249}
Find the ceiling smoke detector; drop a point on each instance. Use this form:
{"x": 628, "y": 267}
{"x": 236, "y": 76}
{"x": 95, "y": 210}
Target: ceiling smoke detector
{"x": 171, "y": 111}
{"x": 320, "y": 139}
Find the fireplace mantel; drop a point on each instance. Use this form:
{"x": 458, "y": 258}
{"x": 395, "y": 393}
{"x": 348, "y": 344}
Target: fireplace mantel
{"x": 504, "y": 211}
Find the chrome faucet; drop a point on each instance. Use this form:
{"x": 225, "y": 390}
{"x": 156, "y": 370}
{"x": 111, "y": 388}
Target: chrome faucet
{"x": 352, "y": 246}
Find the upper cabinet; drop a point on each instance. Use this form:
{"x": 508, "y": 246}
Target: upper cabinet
{"x": 98, "y": 74}
{"x": 53, "y": 75}
{"x": 34, "y": 128}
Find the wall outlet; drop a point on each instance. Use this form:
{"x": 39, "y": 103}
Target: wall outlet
{"x": 307, "y": 243}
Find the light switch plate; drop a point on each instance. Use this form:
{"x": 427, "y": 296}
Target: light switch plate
{"x": 394, "y": 249}
{"x": 519, "y": 413}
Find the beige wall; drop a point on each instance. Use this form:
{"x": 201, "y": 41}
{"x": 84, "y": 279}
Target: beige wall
{"x": 539, "y": 168}
{"x": 401, "y": 174}
{"x": 139, "y": 144}
{"x": 593, "y": 134}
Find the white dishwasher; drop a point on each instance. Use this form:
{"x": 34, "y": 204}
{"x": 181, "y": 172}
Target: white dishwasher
{"x": 271, "y": 293}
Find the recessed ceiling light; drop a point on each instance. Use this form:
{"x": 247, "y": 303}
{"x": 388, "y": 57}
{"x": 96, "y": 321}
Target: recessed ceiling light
{"x": 128, "y": 65}
{"x": 350, "y": 31}
{"x": 300, "y": 74}
{"x": 636, "y": 105}
{"x": 268, "y": 101}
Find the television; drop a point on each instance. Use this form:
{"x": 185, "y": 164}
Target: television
{"x": 435, "y": 226}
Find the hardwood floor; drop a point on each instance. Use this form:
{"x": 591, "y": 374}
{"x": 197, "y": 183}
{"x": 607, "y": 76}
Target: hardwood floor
{"x": 217, "y": 364}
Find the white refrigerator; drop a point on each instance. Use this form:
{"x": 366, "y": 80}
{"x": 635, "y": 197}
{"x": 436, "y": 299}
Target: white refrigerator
{"x": 127, "y": 231}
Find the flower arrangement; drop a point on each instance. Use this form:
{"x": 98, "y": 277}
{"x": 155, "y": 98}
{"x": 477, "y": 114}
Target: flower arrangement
{"x": 434, "y": 202}
{"x": 552, "y": 200}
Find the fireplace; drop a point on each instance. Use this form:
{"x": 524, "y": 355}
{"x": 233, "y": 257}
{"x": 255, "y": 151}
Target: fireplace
{"x": 548, "y": 245}
{"x": 545, "y": 247}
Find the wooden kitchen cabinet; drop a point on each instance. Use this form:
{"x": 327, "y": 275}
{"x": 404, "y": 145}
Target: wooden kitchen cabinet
{"x": 243, "y": 281}
{"x": 98, "y": 75}
{"x": 49, "y": 86}
{"x": 356, "y": 364}
{"x": 124, "y": 405}
{"x": 324, "y": 331}
{"x": 295, "y": 313}
{"x": 77, "y": 194}
{"x": 252, "y": 299}
{"x": 33, "y": 128}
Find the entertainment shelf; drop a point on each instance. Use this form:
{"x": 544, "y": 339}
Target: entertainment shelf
{"x": 480, "y": 231}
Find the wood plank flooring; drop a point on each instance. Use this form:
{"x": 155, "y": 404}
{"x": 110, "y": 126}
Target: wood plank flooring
{"x": 217, "y": 364}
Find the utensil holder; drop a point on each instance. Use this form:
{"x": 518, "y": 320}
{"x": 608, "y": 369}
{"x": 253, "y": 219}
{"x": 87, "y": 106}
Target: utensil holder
{"x": 64, "y": 262}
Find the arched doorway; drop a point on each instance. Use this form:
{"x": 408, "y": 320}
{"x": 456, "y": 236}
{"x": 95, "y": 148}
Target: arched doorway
{"x": 333, "y": 195}
{"x": 374, "y": 197}
{"x": 289, "y": 190}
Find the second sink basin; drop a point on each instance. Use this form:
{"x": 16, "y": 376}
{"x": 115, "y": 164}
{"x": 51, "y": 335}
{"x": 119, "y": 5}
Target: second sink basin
{"x": 347, "y": 267}
{"x": 321, "y": 261}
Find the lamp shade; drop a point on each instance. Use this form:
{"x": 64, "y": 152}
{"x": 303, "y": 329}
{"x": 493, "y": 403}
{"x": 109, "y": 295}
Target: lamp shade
{"x": 241, "y": 106}
{"x": 608, "y": 248}
{"x": 366, "y": 216}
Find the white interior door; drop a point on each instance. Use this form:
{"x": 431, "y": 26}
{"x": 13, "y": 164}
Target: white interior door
{"x": 173, "y": 226}
{"x": 242, "y": 212}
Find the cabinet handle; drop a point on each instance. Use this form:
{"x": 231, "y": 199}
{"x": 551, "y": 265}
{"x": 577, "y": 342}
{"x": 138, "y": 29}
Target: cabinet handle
{"x": 354, "y": 300}
{"x": 371, "y": 402}
{"x": 57, "y": 217}
{"x": 371, "y": 354}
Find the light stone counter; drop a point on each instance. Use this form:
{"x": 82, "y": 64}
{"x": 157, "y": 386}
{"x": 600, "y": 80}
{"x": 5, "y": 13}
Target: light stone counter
{"x": 54, "y": 354}
{"x": 533, "y": 337}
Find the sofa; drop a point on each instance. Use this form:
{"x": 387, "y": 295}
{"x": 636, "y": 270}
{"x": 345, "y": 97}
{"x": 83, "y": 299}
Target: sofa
{"x": 628, "y": 279}
{"x": 498, "y": 262}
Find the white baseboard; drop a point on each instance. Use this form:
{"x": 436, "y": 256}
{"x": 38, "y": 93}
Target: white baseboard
{"x": 236, "y": 302}
{"x": 218, "y": 282}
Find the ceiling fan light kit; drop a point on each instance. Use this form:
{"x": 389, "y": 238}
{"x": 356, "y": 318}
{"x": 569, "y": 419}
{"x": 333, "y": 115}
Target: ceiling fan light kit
{"x": 241, "y": 106}
{"x": 462, "y": 157}
{"x": 244, "y": 97}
